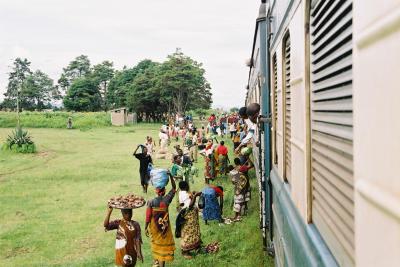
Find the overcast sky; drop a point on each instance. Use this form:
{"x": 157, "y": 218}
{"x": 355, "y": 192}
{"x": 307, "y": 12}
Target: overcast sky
{"x": 51, "y": 33}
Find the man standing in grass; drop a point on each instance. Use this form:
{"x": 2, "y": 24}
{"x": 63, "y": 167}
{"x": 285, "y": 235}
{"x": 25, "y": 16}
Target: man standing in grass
{"x": 69, "y": 123}
{"x": 145, "y": 159}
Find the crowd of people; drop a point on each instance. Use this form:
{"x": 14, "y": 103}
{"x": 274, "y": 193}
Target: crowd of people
{"x": 190, "y": 143}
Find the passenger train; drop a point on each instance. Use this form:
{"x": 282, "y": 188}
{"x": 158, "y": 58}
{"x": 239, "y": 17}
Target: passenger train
{"x": 326, "y": 74}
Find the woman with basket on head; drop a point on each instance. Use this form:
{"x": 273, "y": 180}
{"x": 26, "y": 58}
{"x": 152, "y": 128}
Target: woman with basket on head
{"x": 157, "y": 222}
{"x": 128, "y": 244}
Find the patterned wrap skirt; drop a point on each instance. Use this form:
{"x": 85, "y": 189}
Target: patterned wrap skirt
{"x": 162, "y": 243}
{"x": 223, "y": 164}
{"x": 190, "y": 233}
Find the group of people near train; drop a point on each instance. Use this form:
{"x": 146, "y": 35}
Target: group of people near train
{"x": 190, "y": 204}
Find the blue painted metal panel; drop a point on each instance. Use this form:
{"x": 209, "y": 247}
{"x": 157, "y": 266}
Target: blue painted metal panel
{"x": 296, "y": 243}
{"x": 266, "y": 111}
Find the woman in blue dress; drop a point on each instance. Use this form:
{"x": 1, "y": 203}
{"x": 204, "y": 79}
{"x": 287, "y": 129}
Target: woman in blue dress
{"x": 212, "y": 207}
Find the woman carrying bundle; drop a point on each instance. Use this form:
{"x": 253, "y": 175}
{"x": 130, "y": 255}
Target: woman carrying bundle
{"x": 158, "y": 225}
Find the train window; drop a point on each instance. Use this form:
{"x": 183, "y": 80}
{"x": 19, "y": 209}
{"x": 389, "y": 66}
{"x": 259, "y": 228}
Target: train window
{"x": 287, "y": 108}
{"x": 332, "y": 126}
{"x": 275, "y": 108}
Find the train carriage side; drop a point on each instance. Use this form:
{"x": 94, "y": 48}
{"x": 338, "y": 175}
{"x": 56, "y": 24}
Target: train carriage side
{"x": 316, "y": 196}
{"x": 297, "y": 241}
{"x": 256, "y": 81}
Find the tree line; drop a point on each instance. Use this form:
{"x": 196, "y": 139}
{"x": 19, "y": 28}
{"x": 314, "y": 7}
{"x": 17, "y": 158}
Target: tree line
{"x": 149, "y": 88}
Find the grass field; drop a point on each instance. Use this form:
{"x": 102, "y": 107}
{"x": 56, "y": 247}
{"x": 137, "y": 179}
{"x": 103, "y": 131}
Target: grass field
{"x": 58, "y": 119}
{"x": 53, "y": 203}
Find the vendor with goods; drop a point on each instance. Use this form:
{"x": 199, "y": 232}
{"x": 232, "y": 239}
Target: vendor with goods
{"x": 128, "y": 245}
{"x": 157, "y": 218}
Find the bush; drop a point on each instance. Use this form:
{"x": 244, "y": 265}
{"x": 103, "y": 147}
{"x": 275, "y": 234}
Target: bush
{"x": 19, "y": 141}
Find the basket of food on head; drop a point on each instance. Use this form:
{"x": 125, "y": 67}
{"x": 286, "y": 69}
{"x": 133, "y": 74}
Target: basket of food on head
{"x": 129, "y": 201}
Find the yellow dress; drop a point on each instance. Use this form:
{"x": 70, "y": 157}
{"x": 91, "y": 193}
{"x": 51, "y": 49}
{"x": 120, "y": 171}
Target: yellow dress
{"x": 162, "y": 240}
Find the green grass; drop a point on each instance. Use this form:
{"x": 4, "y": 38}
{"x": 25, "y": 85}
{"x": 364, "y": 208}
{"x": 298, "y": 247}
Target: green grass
{"x": 53, "y": 203}
{"x": 57, "y": 119}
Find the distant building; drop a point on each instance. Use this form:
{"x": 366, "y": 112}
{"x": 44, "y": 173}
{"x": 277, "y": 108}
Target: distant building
{"x": 121, "y": 117}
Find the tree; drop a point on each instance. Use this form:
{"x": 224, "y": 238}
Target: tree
{"x": 120, "y": 84}
{"x": 182, "y": 83}
{"x": 77, "y": 68}
{"x": 234, "y": 109}
{"x": 16, "y": 81}
{"x": 102, "y": 73}
{"x": 200, "y": 112}
{"x": 143, "y": 96}
{"x": 83, "y": 95}
{"x": 39, "y": 91}
{"x": 63, "y": 82}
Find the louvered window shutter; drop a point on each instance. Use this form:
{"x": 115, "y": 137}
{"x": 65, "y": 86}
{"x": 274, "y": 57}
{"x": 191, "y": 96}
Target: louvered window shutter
{"x": 287, "y": 105}
{"x": 332, "y": 126}
{"x": 275, "y": 104}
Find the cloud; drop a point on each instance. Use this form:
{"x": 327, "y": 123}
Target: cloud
{"x": 51, "y": 33}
